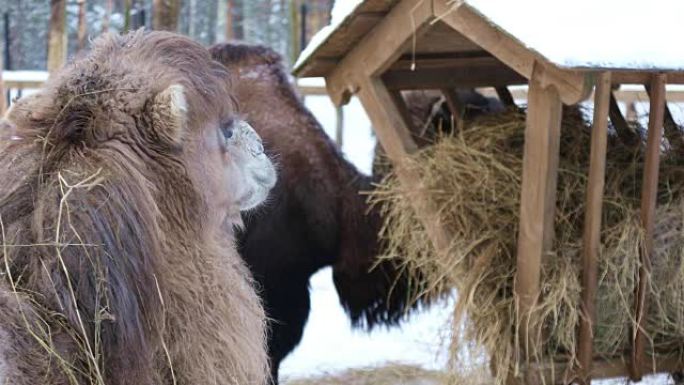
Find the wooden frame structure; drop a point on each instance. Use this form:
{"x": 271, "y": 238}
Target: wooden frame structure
{"x": 390, "y": 45}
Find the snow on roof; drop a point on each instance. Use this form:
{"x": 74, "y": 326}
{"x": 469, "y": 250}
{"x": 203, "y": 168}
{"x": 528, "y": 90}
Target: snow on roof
{"x": 620, "y": 34}
{"x": 617, "y": 34}
{"x": 341, "y": 10}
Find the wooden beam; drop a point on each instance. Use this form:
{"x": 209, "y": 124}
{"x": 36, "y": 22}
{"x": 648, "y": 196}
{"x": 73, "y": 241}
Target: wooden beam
{"x": 453, "y": 62}
{"x": 592, "y": 225}
{"x": 649, "y": 192}
{"x": 393, "y": 133}
{"x": 644, "y": 77}
{"x": 537, "y": 198}
{"x": 380, "y": 48}
{"x": 435, "y": 78}
{"x": 572, "y": 86}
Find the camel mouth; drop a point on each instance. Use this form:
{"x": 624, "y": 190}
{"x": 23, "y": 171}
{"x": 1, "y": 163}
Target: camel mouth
{"x": 263, "y": 179}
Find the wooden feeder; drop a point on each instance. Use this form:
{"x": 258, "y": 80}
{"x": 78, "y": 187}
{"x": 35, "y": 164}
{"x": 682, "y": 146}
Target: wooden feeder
{"x": 386, "y": 46}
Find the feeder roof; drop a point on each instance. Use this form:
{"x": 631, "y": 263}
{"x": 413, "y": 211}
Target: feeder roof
{"x": 582, "y": 34}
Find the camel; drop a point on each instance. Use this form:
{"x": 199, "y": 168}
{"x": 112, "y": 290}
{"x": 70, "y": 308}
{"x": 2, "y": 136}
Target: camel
{"x": 121, "y": 182}
{"x": 316, "y": 216}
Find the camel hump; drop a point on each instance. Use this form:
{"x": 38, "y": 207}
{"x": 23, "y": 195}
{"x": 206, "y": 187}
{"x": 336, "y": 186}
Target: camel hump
{"x": 244, "y": 54}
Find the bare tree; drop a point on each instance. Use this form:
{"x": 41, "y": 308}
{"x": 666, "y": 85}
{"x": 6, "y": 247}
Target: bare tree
{"x": 82, "y": 24}
{"x": 128, "y": 6}
{"x": 57, "y": 38}
{"x": 165, "y": 15}
{"x": 3, "y": 99}
{"x": 107, "y": 16}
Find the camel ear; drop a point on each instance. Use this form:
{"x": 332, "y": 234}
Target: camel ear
{"x": 169, "y": 114}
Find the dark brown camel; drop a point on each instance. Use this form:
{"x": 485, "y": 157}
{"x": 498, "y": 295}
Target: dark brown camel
{"x": 316, "y": 216}
{"x": 117, "y": 182}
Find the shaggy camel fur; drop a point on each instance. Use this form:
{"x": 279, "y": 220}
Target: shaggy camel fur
{"x": 316, "y": 215}
{"x": 116, "y": 187}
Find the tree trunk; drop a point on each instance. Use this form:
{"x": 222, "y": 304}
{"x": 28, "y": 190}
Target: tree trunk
{"x": 238, "y": 19}
{"x": 82, "y": 25}
{"x": 294, "y": 30}
{"x": 191, "y": 18}
{"x": 3, "y": 98}
{"x": 57, "y": 38}
{"x": 230, "y": 27}
{"x": 165, "y": 15}
{"x": 128, "y": 5}
{"x": 213, "y": 21}
{"x": 107, "y": 16}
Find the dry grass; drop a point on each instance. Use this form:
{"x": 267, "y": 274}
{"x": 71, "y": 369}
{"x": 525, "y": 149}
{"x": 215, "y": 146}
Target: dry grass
{"x": 474, "y": 178}
{"x": 38, "y": 320}
{"x": 392, "y": 374}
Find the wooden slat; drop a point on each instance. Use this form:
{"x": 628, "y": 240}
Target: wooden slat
{"x": 644, "y": 77}
{"x": 592, "y": 225}
{"x": 380, "y": 48}
{"x": 393, "y": 133}
{"x": 469, "y": 77}
{"x": 649, "y": 193}
{"x": 572, "y": 86}
{"x": 453, "y": 62}
{"x": 537, "y": 198}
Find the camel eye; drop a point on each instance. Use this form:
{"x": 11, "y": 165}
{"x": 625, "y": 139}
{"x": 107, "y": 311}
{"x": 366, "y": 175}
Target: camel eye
{"x": 227, "y": 129}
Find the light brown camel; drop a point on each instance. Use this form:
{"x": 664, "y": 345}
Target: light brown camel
{"x": 117, "y": 183}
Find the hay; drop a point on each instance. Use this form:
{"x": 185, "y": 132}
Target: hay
{"x": 390, "y": 374}
{"x": 474, "y": 179}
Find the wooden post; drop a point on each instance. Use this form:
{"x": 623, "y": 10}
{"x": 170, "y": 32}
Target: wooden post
{"x": 537, "y": 199}
{"x": 649, "y": 192}
{"x": 57, "y": 38}
{"x": 82, "y": 25}
{"x": 393, "y": 133}
{"x": 454, "y": 102}
{"x": 592, "y": 225}
{"x": 165, "y": 15}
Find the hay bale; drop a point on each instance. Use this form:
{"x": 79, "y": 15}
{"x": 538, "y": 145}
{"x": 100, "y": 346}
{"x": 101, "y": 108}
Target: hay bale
{"x": 474, "y": 179}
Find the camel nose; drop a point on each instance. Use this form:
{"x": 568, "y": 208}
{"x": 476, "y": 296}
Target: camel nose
{"x": 254, "y": 143}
